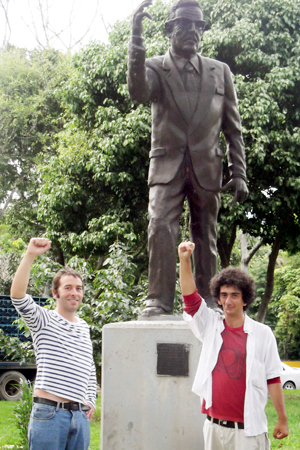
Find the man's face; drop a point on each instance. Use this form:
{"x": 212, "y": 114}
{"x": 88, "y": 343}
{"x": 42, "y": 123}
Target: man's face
{"x": 69, "y": 293}
{"x": 187, "y": 31}
{"x": 231, "y": 300}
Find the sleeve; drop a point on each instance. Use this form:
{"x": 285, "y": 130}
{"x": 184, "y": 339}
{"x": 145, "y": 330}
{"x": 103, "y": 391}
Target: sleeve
{"x": 142, "y": 80}
{"x": 192, "y": 303}
{"x": 204, "y": 322}
{"x": 274, "y": 380}
{"x": 34, "y": 315}
{"x": 272, "y": 360}
{"x": 92, "y": 386}
{"x": 232, "y": 129}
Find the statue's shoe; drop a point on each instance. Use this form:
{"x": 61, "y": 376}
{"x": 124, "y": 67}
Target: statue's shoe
{"x": 151, "y": 311}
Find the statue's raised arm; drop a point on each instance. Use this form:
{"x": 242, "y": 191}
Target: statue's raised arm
{"x": 138, "y": 84}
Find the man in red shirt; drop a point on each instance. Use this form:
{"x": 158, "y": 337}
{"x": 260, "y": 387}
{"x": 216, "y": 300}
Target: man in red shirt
{"x": 239, "y": 363}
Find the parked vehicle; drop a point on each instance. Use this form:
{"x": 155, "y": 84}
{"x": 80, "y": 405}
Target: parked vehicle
{"x": 290, "y": 377}
{"x": 12, "y": 372}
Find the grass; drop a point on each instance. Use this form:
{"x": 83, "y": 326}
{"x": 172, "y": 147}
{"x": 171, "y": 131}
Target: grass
{"x": 9, "y": 434}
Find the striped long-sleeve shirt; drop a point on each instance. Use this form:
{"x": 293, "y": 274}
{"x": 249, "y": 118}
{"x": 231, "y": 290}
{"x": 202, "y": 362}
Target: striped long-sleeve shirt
{"x": 63, "y": 350}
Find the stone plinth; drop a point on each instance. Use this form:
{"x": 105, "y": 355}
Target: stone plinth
{"x": 142, "y": 410}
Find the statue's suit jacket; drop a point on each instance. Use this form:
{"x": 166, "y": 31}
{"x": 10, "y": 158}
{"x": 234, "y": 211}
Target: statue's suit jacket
{"x": 174, "y": 130}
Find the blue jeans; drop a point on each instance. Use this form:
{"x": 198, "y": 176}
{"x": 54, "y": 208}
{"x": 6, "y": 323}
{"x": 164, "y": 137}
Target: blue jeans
{"x": 56, "y": 429}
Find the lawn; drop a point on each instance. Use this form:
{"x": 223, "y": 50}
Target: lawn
{"x": 9, "y": 434}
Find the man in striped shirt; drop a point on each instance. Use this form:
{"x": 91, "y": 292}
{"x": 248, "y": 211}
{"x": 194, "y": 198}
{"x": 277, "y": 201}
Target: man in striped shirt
{"x": 65, "y": 385}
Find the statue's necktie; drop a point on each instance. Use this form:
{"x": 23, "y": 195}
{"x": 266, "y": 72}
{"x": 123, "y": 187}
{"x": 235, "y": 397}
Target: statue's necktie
{"x": 191, "y": 81}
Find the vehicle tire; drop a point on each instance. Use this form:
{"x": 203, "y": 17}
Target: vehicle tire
{"x": 10, "y": 388}
{"x": 289, "y": 385}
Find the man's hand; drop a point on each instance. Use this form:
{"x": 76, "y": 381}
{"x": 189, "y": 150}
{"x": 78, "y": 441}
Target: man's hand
{"x": 240, "y": 189}
{"x": 38, "y": 246}
{"x": 187, "y": 283}
{"x": 281, "y": 430}
{"x": 137, "y": 18}
{"x": 90, "y": 412}
{"x": 185, "y": 250}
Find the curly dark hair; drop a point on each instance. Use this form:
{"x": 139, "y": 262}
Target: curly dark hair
{"x": 61, "y": 273}
{"x": 234, "y": 276}
{"x": 172, "y": 12}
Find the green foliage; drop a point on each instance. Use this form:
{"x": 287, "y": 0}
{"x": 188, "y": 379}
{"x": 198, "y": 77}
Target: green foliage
{"x": 10, "y": 251}
{"x": 260, "y": 42}
{"x": 30, "y": 115}
{"x": 258, "y": 270}
{"x": 22, "y": 412}
{"x": 16, "y": 350}
{"x": 286, "y": 302}
{"x": 119, "y": 294}
{"x": 90, "y": 143}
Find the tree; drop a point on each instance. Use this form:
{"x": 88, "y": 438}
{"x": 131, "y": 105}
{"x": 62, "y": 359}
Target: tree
{"x": 286, "y": 304}
{"x": 30, "y": 116}
{"x": 98, "y": 192}
{"x": 260, "y": 42}
{"x": 93, "y": 189}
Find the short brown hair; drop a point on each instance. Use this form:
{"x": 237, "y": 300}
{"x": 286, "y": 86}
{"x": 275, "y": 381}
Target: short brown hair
{"x": 61, "y": 273}
{"x": 234, "y": 276}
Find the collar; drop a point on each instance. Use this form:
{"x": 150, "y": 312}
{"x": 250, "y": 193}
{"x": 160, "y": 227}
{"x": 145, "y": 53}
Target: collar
{"x": 248, "y": 324}
{"x": 180, "y": 62}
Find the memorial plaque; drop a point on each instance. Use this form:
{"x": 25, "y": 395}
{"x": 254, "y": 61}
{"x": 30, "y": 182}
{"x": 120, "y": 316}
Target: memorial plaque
{"x": 173, "y": 360}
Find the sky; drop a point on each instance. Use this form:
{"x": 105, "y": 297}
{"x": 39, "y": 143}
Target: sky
{"x": 96, "y": 16}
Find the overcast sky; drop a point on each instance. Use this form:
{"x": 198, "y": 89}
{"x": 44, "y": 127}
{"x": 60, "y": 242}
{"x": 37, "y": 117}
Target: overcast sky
{"x": 25, "y": 20}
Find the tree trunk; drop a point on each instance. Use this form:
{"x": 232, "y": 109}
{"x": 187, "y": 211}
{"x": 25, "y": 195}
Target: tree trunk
{"x": 245, "y": 256}
{"x": 6, "y": 204}
{"x": 262, "y": 310}
{"x": 225, "y": 247}
{"x": 60, "y": 258}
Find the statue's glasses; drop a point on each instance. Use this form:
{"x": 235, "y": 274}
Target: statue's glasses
{"x": 186, "y": 24}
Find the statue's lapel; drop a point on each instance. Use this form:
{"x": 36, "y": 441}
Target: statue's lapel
{"x": 207, "y": 91}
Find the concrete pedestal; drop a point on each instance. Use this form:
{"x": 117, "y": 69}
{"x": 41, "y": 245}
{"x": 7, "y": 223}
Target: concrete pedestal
{"x": 142, "y": 410}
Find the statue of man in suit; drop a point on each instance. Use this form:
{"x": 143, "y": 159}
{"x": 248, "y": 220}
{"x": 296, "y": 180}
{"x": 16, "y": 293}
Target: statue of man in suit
{"x": 192, "y": 99}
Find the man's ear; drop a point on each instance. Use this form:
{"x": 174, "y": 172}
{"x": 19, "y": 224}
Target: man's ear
{"x": 55, "y": 294}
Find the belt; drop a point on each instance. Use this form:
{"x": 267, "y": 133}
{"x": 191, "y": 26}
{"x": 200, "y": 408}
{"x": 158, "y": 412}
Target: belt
{"x": 226, "y": 423}
{"x": 70, "y": 406}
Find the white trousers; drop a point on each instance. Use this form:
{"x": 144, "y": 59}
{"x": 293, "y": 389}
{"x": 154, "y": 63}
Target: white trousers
{"x": 217, "y": 437}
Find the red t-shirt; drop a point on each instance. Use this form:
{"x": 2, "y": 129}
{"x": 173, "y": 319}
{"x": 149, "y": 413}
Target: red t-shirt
{"x": 229, "y": 377}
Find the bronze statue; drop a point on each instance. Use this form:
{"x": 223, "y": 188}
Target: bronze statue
{"x": 192, "y": 99}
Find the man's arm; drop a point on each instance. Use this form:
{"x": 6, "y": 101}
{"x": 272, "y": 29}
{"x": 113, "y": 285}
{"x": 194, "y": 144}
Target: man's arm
{"x": 187, "y": 283}
{"x": 36, "y": 247}
{"x": 92, "y": 388}
{"x": 281, "y": 429}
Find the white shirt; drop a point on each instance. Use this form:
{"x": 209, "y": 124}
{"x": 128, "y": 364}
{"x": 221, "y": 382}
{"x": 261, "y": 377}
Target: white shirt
{"x": 262, "y": 363}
